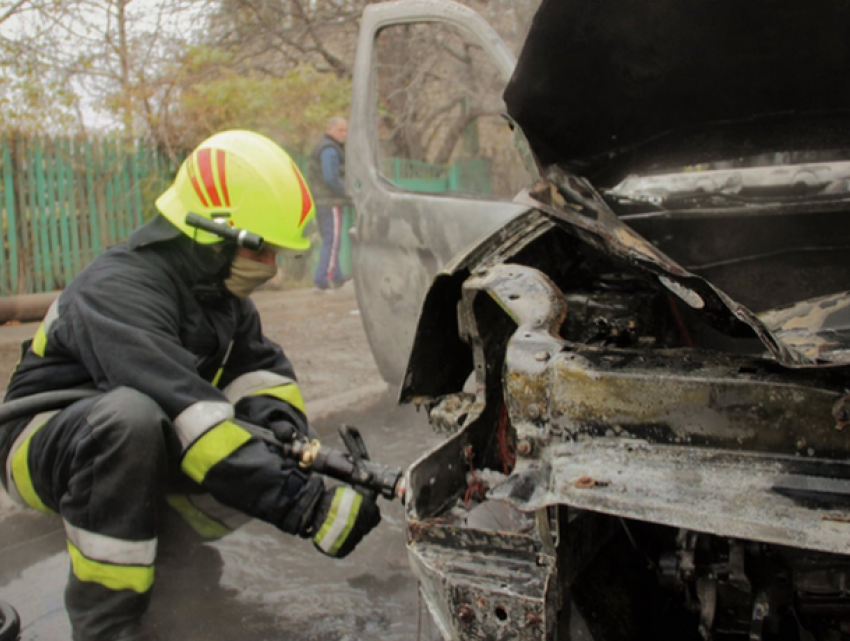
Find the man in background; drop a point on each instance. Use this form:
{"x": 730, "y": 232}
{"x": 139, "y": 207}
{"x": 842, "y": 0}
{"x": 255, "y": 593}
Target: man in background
{"x": 326, "y": 175}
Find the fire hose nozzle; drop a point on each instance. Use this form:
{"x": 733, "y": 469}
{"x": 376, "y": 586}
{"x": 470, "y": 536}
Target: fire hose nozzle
{"x": 308, "y": 454}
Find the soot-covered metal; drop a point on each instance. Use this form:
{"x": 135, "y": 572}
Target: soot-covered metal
{"x": 633, "y": 453}
{"x": 601, "y": 86}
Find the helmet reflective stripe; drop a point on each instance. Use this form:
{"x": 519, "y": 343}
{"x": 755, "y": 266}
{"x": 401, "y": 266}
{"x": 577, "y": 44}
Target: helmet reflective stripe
{"x": 113, "y": 576}
{"x": 99, "y": 547}
{"x": 340, "y": 520}
{"x": 18, "y": 478}
{"x": 306, "y": 198}
{"x": 204, "y": 159}
{"x": 199, "y": 417}
{"x": 213, "y": 447}
{"x": 201, "y": 164}
{"x": 190, "y": 171}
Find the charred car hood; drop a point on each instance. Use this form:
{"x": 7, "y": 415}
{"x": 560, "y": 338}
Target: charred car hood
{"x": 602, "y": 87}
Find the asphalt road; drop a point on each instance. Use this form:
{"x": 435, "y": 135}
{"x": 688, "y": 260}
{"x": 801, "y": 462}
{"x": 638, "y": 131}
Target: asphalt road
{"x": 257, "y": 583}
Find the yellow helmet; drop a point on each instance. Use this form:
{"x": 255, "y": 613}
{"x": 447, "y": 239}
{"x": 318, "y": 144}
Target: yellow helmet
{"x": 246, "y": 181}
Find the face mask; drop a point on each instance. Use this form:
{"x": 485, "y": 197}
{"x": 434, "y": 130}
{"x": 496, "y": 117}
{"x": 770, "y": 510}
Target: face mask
{"x": 246, "y": 275}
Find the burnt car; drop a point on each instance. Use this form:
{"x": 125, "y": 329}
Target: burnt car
{"x": 642, "y": 372}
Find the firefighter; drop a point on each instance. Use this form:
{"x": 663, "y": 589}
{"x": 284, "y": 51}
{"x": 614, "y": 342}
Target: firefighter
{"x": 163, "y": 327}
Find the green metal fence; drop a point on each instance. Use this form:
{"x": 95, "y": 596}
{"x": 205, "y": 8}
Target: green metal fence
{"x": 65, "y": 200}
{"x": 465, "y": 175}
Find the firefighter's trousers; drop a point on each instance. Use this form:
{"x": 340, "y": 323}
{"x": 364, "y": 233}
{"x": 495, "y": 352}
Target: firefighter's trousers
{"x": 103, "y": 464}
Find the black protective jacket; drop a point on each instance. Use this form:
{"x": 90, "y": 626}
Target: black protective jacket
{"x": 153, "y": 314}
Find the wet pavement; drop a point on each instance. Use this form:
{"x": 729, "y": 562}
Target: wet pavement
{"x": 257, "y": 583}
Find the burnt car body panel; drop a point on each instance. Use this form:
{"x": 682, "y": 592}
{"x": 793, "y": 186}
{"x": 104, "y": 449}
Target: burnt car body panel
{"x": 643, "y": 376}
{"x": 744, "y": 443}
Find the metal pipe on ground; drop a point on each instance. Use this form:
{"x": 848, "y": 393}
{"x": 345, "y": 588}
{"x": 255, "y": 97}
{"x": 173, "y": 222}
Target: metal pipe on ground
{"x": 26, "y": 307}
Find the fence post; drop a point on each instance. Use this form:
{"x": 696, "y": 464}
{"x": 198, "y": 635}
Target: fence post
{"x": 125, "y": 203}
{"x": 62, "y": 211}
{"x": 71, "y": 211}
{"x": 40, "y": 215}
{"x": 11, "y": 259}
{"x": 137, "y": 182}
{"x": 454, "y": 177}
{"x": 54, "y": 260}
{"x": 94, "y": 210}
{"x": 25, "y": 244}
{"x": 81, "y": 204}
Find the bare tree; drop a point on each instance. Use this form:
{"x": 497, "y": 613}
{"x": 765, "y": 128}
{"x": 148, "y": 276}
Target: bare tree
{"x": 277, "y": 35}
{"x": 131, "y": 64}
{"x": 432, "y": 85}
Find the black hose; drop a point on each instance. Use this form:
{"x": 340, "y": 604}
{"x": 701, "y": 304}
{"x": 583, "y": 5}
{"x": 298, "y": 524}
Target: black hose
{"x": 42, "y": 402}
{"x": 10, "y": 623}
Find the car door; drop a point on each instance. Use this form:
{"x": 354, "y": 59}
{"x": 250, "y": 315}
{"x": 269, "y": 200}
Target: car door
{"x": 430, "y": 161}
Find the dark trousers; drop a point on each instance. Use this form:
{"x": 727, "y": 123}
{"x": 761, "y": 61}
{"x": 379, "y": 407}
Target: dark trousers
{"x": 110, "y": 467}
{"x": 101, "y": 464}
{"x": 328, "y": 272}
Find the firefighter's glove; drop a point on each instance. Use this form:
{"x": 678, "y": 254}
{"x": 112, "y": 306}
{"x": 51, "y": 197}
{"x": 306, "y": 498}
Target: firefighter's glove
{"x": 285, "y": 431}
{"x": 343, "y": 517}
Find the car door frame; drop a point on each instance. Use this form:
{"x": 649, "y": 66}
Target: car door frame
{"x": 403, "y": 238}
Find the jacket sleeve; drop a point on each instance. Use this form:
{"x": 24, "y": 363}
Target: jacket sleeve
{"x": 259, "y": 379}
{"x": 125, "y": 329}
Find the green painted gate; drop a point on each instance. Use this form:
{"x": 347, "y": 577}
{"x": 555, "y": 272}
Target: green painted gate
{"x": 66, "y": 200}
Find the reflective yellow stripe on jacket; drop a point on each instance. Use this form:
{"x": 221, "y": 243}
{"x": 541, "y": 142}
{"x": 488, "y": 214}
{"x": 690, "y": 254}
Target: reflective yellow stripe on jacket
{"x": 214, "y": 446}
{"x": 39, "y": 341}
{"x": 208, "y": 435}
{"x": 265, "y": 383}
